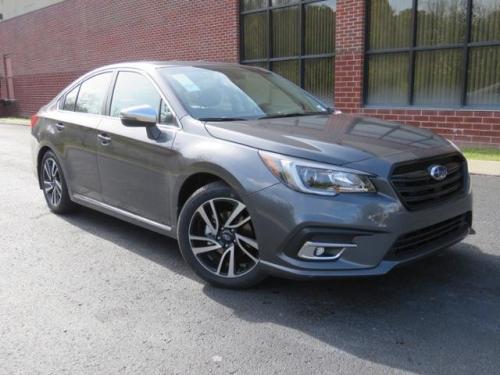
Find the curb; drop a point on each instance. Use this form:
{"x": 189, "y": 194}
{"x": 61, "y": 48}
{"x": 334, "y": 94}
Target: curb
{"x": 15, "y": 123}
{"x": 484, "y": 167}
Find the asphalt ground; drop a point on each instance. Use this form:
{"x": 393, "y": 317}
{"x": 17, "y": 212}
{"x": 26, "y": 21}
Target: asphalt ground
{"x": 90, "y": 294}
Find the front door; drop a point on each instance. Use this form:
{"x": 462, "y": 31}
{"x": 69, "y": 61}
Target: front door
{"x": 134, "y": 169}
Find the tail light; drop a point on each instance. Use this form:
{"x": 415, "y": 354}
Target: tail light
{"x": 34, "y": 121}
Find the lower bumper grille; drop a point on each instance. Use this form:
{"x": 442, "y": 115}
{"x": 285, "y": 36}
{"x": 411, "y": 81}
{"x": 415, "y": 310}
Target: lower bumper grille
{"x": 432, "y": 236}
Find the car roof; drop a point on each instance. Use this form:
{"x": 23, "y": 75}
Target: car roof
{"x": 163, "y": 64}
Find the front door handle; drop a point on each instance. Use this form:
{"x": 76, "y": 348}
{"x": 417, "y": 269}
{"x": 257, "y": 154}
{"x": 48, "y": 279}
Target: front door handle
{"x": 104, "y": 138}
{"x": 60, "y": 126}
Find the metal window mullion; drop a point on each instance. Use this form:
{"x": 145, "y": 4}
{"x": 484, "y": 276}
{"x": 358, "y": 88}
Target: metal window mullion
{"x": 466, "y": 48}
{"x": 412, "y": 55}
{"x": 269, "y": 35}
{"x": 288, "y": 58}
{"x": 283, "y": 6}
{"x": 366, "y": 50}
{"x": 301, "y": 53}
{"x": 241, "y": 36}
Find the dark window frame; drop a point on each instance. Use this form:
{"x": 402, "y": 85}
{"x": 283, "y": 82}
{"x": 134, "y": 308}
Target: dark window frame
{"x": 412, "y": 50}
{"x": 301, "y": 57}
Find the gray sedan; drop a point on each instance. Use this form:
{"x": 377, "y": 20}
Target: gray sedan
{"x": 251, "y": 174}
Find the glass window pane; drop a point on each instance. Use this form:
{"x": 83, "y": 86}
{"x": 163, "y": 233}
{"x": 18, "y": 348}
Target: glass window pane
{"x": 133, "y": 89}
{"x": 282, "y": 2}
{"x": 93, "y": 93}
{"x": 70, "y": 100}
{"x": 319, "y": 78}
{"x": 165, "y": 114}
{"x": 484, "y": 77}
{"x": 288, "y": 69}
{"x": 232, "y": 91}
{"x": 441, "y": 22}
{"x": 253, "y": 4}
{"x": 486, "y": 20}
{"x": 286, "y": 32}
{"x": 390, "y": 23}
{"x": 255, "y": 36}
{"x": 319, "y": 27}
{"x": 388, "y": 79}
{"x": 438, "y": 77}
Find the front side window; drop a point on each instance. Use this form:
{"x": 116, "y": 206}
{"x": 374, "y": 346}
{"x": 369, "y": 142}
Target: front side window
{"x": 294, "y": 38}
{"x": 133, "y": 89}
{"x": 93, "y": 94}
{"x": 236, "y": 92}
{"x": 443, "y": 53}
{"x": 70, "y": 99}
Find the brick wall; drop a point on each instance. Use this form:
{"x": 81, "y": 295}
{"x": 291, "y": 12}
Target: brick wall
{"x": 465, "y": 127}
{"x": 349, "y": 55}
{"x": 52, "y": 46}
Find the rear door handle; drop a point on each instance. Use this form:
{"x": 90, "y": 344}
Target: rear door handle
{"x": 60, "y": 126}
{"x": 104, "y": 138}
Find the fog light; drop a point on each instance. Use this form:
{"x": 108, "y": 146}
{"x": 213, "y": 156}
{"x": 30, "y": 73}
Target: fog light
{"x": 323, "y": 251}
{"x": 319, "y": 251}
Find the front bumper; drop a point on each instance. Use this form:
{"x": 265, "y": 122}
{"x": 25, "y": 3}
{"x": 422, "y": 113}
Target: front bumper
{"x": 284, "y": 220}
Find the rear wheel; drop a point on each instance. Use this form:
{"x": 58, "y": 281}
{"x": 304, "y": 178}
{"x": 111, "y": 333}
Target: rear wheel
{"x": 217, "y": 238}
{"x": 54, "y": 185}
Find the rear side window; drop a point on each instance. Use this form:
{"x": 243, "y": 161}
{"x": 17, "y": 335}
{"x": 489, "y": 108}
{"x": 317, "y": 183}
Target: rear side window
{"x": 70, "y": 100}
{"x": 93, "y": 93}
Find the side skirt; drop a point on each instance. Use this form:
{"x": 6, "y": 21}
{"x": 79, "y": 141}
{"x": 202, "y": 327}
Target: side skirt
{"x": 123, "y": 215}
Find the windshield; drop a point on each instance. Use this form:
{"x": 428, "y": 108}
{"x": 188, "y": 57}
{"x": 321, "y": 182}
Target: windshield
{"x": 232, "y": 92}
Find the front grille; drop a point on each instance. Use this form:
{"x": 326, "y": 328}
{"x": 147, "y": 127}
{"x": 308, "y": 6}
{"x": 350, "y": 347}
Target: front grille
{"x": 429, "y": 237}
{"x": 417, "y": 189}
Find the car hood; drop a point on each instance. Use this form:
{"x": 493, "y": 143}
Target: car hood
{"x": 337, "y": 138}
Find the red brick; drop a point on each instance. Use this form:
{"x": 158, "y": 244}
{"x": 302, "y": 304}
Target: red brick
{"x": 107, "y": 32}
{"x": 52, "y": 46}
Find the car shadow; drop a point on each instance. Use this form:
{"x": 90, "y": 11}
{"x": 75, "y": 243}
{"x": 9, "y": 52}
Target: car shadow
{"x": 438, "y": 315}
{"x": 158, "y": 248}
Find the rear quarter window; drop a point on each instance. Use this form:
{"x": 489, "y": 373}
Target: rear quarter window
{"x": 70, "y": 99}
{"x": 93, "y": 93}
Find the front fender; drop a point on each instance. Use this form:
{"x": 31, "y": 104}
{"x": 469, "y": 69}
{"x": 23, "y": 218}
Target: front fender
{"x": 239, "y": 166}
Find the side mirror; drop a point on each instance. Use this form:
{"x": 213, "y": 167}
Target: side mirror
{"x": 141, "y": 116}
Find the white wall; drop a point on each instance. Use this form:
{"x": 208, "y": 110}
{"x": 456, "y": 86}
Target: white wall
{"x": 13, "y": 8}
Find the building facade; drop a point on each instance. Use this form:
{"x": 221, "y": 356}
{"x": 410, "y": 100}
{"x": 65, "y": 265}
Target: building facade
{"x": 429, "y": 63}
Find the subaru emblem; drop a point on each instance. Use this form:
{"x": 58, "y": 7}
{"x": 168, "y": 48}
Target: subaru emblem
{"x": 438, "y": 172}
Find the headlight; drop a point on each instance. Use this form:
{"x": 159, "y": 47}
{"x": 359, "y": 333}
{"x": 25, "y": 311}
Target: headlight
{"x": 316, "y": 178}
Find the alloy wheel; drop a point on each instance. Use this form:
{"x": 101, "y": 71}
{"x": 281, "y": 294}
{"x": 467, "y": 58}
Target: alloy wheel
{"x": 52, "y": 185}
{"x": 222, "y": 237}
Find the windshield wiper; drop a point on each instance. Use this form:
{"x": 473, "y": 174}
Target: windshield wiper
{"x": 292, "y": 115}
{"x": 220, "y": 119}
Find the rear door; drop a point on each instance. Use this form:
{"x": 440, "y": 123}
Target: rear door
{"x": 75, "y": 130}
{"x": 134, "y": 169}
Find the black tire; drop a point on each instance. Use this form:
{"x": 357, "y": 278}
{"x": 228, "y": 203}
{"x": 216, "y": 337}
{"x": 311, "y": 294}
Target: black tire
{"x": 62, "y": 204}
{"x": 219, "y": 193}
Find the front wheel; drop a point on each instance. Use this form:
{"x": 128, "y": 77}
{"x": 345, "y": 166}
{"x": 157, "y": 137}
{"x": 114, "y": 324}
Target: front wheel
{"x": 217, "y": 238}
